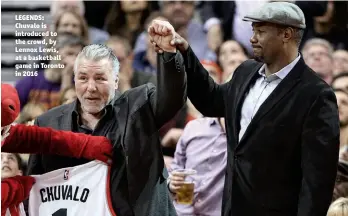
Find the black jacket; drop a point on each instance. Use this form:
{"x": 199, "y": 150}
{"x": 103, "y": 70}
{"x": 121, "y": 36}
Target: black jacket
{"x": 132, "y": 120}
{"x": 286, "y": 162}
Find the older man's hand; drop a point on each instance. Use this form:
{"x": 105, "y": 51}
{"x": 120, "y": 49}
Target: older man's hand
{"x": 161, "y": 34}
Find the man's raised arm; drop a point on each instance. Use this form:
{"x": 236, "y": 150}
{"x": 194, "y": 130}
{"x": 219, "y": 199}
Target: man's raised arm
{"x": 205, "y": 94}
{"x": 171, "y": 94}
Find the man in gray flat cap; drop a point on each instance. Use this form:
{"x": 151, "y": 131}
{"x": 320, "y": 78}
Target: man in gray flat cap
{"x": 281, "y": 119}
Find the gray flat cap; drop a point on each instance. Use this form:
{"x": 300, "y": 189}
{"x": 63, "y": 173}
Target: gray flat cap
{"x": 283, "y": 13}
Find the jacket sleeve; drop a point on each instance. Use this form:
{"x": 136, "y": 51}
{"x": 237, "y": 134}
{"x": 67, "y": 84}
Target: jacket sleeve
{"x": 15, "y": 190}
{"x": 34, "y": 139}
{"x": 319, "y": 149}
{"x": 204, "y": 93}
{"x": 170, "y": 95}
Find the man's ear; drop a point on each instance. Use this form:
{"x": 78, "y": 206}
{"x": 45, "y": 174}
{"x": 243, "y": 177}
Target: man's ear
{"x": 288, "y": 34}
{"x": 20, "y": 172}
{"x": 116, "y": 82}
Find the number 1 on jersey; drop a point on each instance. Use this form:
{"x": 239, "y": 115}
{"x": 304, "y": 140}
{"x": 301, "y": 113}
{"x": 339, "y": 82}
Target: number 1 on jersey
{"x": 61, "y": 212}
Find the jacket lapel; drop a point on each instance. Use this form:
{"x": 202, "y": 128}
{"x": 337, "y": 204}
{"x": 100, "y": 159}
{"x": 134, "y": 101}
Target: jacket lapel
{"x": 121, "y": 112}
{"x": 284, "y": 87}
{"x": 64, "y": 121}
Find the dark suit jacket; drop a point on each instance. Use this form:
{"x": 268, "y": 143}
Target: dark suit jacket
{"x": 135, "y": 119}
{"x": 286, "y": 162}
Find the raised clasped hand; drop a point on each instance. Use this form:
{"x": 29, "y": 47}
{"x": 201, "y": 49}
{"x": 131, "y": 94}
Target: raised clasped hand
{"x": 161, "y": 35}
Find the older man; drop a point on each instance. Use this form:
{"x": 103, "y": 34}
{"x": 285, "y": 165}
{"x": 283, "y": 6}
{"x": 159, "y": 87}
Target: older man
{"x": 317, "y": 54}
{"x": 131, "y": 120}
{"x": 282, "y": 121}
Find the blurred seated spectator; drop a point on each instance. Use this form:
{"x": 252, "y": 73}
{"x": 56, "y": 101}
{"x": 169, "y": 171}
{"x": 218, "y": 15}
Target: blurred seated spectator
{"x": 230, "y": 55}
{"x": 340, "y": 81}
{"x": 180, "y": 15}
{"x": 146, "y": 60}
{"x": 128, "y": 76}
{"x": 95, "y": 35}
{"x": 73, "y": 23}
{"x": 68, "y": 95}
{"x": 30, "y": 112}
{"x": 332, "y": 25}
{"x": 340, "y": 58}
{"x": 127, "y": 18}
{"x": 223, "y": 21}
{"x": 342, "y": 102}
{"x": 339, "y": 207}
{"x": 214, "y": 70}
{"x": 58, "y": 74}
{"x": 57, "y": 7}
{"x": 317, "y": 54}
{"x": 343, "y": 157}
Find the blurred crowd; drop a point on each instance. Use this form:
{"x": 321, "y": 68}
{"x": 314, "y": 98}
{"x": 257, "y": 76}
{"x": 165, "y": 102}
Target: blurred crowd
{"x": 219, "y": 38}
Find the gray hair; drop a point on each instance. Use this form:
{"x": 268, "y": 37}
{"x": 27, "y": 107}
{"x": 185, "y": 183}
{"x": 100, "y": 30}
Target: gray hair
{"x": 318, "y": 42}
{"x": 298, "y": 36}
{"x": 97, "y": 52}
{"x": 66, "y": 39}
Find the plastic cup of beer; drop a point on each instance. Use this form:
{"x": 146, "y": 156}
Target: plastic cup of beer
{"x": 185, "y": 194}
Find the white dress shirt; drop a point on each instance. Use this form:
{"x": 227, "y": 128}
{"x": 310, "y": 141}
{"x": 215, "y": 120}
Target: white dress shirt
{"x": 259, "y": 92}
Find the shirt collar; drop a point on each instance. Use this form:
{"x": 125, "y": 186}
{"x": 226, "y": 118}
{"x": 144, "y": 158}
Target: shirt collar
{"x": 282, "y": 73}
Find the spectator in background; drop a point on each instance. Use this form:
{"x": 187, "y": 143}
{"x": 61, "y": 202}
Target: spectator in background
{"x": 11, "y": 165}
{"x": 230, "y": 55}
{"x": 146, "y": 60}
{"x": 202, "y": 147}
{"x": 223, "y": 21}
{"x": 317, "y": 54}
{"x": 332, "y": 25}
{"x": 127, "y": 18}
{"x": 45, "y": 88}
{"x": 180, "y": 15}
{"x": 340, "y": 58}
{"x": 340, "y": 81}
{"x": 342, "y": 102}
{"x": 341, "y": 184}
{"x": 339, "y": 207}
{"x": 214, "y": 70}
{"x": 73, "y": 23}
{"x": 57, "y": 7}
{"x": 68, "y": 95}
{"x": 95, "y": 35}
{"x": 128, "y": 76}
{"x": 69, "y": 47}
{"x": 30, "y": 112}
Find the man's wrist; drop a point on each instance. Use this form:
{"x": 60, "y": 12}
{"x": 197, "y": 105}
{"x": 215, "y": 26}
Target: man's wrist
{"x": 167, "y": 56}
{"x": 171, "y": 50}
